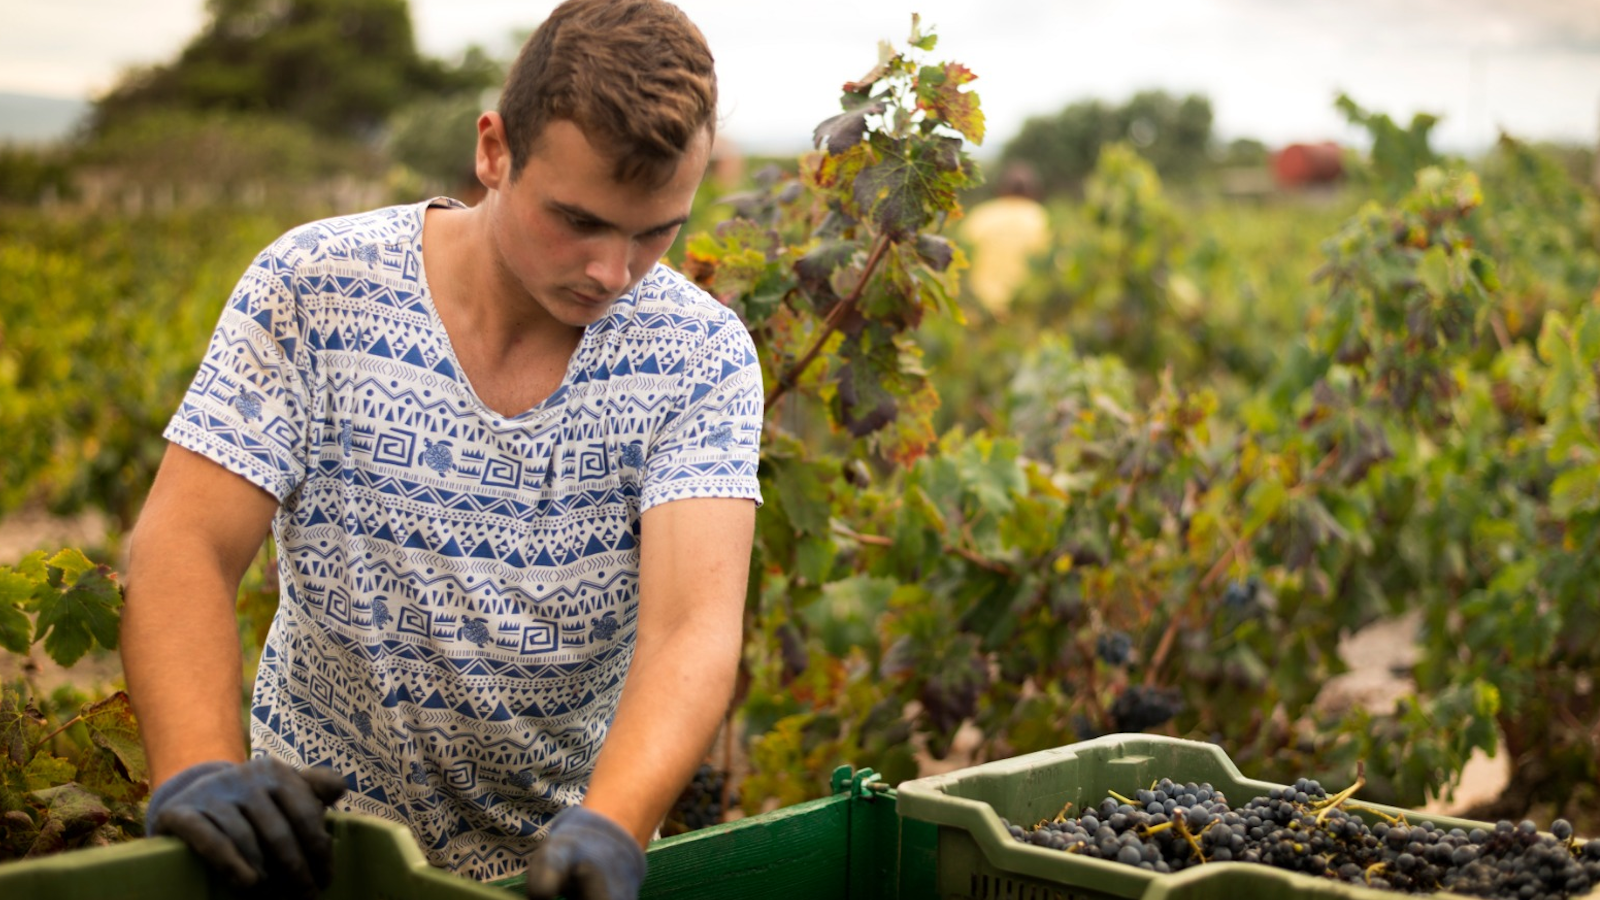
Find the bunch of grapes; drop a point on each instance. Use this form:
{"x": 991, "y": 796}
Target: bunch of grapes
{"x": 1114, "y": 647}
{"x": 1139, "y": 707}
{"x": 700, "y": 804}
{"x": 1301, "y": 828}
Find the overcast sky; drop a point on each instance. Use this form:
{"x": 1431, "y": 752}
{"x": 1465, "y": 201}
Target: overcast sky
{"x": 1270, "y": 67}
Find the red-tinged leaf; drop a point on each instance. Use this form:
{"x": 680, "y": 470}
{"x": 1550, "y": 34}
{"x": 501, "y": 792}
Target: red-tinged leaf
{"x": 112, "y": 725}
{"x": 863, "y": 85}
{"x": 909, "y": 437}
{"x": 831, "y": 171}
{"x": 841, "y": 132}
{"x": 939, "y": 93}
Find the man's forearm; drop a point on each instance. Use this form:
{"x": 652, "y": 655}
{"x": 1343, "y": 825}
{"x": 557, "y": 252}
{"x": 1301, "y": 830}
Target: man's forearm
{"x": 180, "y": 653}
{"x": 675, "y": 698}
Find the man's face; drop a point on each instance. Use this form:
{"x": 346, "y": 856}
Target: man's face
{"x": 571, "y": 237}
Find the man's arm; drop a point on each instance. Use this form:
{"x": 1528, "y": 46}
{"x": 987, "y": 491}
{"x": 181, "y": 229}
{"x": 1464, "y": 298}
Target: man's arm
{"x": 257, "y": 820}
{"x": 199, "y": 530}
{"x": 694, "y": 566}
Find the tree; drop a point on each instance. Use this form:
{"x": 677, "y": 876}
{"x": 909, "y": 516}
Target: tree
{"x": 340, "y": 66}
{"x": 1172, "y": 134}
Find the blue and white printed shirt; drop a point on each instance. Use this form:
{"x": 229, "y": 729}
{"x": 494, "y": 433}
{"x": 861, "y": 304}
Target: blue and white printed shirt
{"x": 460, "y": 588}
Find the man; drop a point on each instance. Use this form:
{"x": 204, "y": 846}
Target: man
{"x": 1004, "y": 234}
{"x": 509, "y": 462}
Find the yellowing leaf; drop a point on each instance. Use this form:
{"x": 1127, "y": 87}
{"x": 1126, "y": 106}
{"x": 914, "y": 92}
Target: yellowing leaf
{"x": 46, "y": 771}
{"x": 939, "y": 93}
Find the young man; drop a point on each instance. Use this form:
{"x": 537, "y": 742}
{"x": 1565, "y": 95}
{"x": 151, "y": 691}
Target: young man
{"x": 509, "y": 462}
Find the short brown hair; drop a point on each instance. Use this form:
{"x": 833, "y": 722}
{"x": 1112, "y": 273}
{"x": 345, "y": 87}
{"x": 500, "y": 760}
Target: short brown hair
{"x": 635, "y": 76}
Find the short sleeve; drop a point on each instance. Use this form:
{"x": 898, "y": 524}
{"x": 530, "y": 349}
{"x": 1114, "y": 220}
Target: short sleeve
{"x": 246, "y": 409}
{"x": 711, "y": 445}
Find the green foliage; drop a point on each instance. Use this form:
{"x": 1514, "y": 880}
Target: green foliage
{"x": 76, "y": 603}
{"x": 223, "y": 151}
{"x": 67, "y": 779}
{"x": 1232, "y": 434}
{"x": 89, "y": 300}
{"x": 1235, "y": 461}
{"x": 338, "y": 66}
{"x": 1173, "y": 135}
{"x": 29, "y": 175}
{"x": 436, "y": 138}
{"x": 1397, "y": 153}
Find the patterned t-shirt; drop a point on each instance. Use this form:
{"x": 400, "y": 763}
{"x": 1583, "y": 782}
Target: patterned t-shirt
{"x": 460, "y": 588}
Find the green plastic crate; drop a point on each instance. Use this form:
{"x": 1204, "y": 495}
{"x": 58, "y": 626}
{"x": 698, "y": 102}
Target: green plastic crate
{"x": 373, "y": 860}
{"x": 850, "y": 846}
{"x": 978, "y": 860}
{"x": 1237, "y": 881}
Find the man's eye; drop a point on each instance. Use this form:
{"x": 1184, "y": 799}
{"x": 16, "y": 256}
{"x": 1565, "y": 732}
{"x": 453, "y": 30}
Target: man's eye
{"x": 577, "y": 224}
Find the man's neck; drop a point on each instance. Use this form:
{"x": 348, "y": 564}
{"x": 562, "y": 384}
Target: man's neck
{"x": 513, "y": 352}
{"x": 480, "y": 297}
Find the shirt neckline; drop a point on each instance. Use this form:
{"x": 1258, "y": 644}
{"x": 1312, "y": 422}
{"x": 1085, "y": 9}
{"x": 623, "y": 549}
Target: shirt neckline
{"x": 574, "y": 363}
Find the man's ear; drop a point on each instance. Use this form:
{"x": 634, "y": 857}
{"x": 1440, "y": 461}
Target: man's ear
{"x": 493, "y": 157}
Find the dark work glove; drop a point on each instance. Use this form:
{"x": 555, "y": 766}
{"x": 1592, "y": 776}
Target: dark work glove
{"x": 252, "y": 821}
{"x": 585, "y": 856}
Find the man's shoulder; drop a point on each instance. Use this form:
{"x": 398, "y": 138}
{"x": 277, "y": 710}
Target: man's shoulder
{"x": 359, "y": 238}
{"x": 668, "y": 301}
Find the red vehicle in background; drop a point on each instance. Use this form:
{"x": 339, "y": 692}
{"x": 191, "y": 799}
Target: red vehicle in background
{"x": 1308, "y": 165}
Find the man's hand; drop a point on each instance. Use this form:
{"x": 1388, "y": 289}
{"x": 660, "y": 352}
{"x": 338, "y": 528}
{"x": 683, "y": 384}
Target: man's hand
{"x": 586, "y": 856}
{"x": 252, "y": 821}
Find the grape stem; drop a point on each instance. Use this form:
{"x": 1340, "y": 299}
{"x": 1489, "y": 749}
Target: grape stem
{"x": 1178, "y": 824}
{"x": 829, "y": 324}
{"x": 1392, "y": 820}
{"x": 1331, "y": 803}
{"x": 1378, "y": 868}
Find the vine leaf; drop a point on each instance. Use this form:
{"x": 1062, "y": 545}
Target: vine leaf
{"x": 815, "y": 270}
{"x": 16, "y": 632}
{"x": 112, "y": 726}
{"x": 936, "y": 251}
{"x": 46, "y": 770}
{"x": 864, "y": 405}
{"x": 72, "y": 812}
{"x": 939, "y": 93}
{"x": 71, "y": 621}
{"x": 20, "y": 728}
{"x": 894, "y": 194}
{"x": 839, "y": 133}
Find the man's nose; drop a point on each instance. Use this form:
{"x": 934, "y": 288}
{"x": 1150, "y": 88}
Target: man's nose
{"x": 609, "y": 266}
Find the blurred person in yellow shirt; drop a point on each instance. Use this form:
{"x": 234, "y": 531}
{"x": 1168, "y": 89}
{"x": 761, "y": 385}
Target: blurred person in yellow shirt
{"x": 1003, "y": 234}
